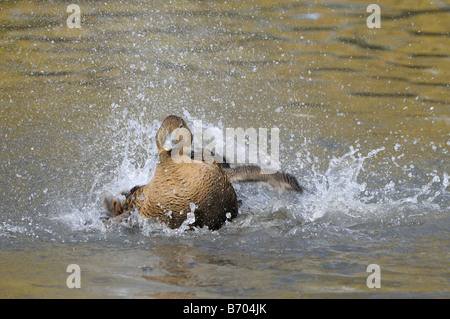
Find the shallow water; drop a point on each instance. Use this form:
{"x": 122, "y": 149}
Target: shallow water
{"x": 364, "y": 125}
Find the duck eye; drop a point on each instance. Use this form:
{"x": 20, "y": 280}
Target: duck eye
{"x": 180, "y": 126}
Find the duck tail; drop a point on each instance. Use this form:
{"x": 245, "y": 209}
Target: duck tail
{"x": 279, "y": 180}
{"x": 124, "y": 202}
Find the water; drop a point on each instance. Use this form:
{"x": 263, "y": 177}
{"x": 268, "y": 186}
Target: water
{"x": 364, "y": 125}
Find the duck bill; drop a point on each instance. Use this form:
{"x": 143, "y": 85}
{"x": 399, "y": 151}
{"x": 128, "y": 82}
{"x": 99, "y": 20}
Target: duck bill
{"x": 168, "y": 142}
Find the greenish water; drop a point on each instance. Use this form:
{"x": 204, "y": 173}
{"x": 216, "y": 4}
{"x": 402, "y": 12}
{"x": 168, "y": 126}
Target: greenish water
{"x": 364, "y": 125}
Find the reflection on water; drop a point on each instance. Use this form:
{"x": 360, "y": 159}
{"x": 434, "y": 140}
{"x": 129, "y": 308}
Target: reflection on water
{"x": 363, "y": 118}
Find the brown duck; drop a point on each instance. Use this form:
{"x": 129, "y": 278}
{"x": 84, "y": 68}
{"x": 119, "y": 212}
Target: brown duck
{"x": 182, "y": 186}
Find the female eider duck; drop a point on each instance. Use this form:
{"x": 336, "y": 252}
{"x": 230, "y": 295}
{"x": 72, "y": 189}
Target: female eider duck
{"x": 179, "y": 187}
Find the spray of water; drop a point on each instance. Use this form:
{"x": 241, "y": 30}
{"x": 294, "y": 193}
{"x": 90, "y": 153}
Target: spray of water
{"x": 338, "y": 189}
{"x": 341, "y": 196}
{"x": 337, "y": 194}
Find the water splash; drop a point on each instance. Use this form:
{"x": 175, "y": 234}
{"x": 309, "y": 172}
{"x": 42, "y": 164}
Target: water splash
{"x": 338, "y": 188}
{"x": 339, "y": 194}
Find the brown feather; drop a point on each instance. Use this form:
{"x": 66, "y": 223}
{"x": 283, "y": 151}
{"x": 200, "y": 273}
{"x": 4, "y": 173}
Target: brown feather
{"x": 278, "y": 180}
{"x": 176, "y": 186}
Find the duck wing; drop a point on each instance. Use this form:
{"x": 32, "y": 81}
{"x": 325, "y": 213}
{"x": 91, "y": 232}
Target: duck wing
{"x": 279, "y": 180}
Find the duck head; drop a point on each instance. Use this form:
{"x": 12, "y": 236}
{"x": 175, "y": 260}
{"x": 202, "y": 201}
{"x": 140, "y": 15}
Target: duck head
{"x": 173, "y": 134}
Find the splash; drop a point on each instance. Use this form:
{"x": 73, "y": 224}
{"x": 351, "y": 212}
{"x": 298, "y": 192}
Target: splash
{"x": 130, "y": 160}
{"x": 338, "y": 188}
{"x": 340, "y": 194}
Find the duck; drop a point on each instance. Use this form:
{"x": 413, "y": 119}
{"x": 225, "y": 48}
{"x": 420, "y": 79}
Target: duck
{"x": 181, "y": 185}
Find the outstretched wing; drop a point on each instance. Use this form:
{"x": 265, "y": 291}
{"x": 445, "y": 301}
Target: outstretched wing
{"x": 279, "y": 180}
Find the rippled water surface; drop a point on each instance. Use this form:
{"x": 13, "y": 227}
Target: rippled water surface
{"x": 364, "y": 125}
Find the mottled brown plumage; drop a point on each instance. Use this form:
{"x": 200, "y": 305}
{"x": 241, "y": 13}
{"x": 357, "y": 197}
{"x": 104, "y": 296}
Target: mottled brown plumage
{"x": 182, "y": 186}
{"x": 179, "y": 188}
